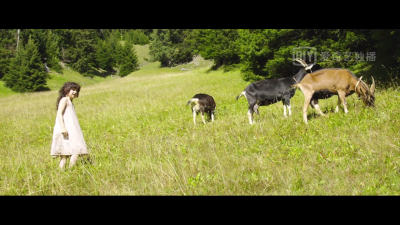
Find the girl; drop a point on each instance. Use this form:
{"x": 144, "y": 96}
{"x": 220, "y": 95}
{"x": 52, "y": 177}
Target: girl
{"x": 68, "y": 138}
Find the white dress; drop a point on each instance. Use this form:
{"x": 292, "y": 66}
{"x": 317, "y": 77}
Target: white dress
{"x": 74, "y": 143}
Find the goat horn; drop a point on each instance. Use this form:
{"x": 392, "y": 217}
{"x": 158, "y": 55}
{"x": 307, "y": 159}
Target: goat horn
{"x": 373, "y": 86}
{"x": 355, "y": 89}
{"x": 366, "y": 87}
{"x": 301, "y": 62}
{"x": 307, "y": 67}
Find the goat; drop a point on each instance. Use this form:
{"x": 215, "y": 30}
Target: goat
{"x": 323, "y": 94}
{"x": 202, "y": 103}
{"x": 337, "y": 81}
{"x": 270, "y": 91}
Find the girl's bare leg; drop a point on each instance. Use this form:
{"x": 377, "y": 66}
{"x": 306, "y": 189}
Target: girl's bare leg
{"x": 63, "y": 160}
{"x": 72, "y": 161}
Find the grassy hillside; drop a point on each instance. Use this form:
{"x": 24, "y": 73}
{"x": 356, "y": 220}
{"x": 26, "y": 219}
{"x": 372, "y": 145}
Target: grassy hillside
{"x": 142, "y": 141}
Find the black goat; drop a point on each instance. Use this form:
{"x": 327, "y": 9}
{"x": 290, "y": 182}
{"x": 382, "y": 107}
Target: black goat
{"x": 266, "y": 92}
{"x": 322, "y": 94}
{"x": 202, "y": 103}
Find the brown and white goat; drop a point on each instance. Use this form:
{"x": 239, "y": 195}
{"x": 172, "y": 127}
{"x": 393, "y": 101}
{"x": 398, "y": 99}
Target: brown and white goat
{"x": 202, "y": 103}
{"x": 338, "y": 81}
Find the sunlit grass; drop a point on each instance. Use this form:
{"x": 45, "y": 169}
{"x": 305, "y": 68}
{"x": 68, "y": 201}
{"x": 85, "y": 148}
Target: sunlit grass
{"x": 4, "y": 91}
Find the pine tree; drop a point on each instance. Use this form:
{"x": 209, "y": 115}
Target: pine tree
{"x": 81, "y": 52}
{"x": 53, "y": 52}
{"x": 104, "y": 55}
{"x": 161, "y": 47}
{"x": 26, "y": 72}
{"x": 7, "y": 49}
{"x": 129, "y": 61}
{"x": 167, "y": 46}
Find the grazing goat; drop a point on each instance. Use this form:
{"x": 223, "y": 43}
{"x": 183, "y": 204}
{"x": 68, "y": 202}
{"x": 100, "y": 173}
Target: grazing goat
{"x": 270, "y": 91}
{"x": 202, "y": 103}
{"x": 323, "y": 94}
{"x": 336, "y": 81}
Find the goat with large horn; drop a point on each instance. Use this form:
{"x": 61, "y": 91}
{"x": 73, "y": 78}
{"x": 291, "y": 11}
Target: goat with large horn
{"x": 336, "y": 81}
{"x": 270, "y": 91}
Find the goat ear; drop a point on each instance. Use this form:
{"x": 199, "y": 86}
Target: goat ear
{"x": 372, "y": 89}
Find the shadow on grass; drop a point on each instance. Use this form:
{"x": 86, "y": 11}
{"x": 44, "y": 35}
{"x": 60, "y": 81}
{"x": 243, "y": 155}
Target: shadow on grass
{"x": 315, "y": 114}
{"x": 103, "y": 73}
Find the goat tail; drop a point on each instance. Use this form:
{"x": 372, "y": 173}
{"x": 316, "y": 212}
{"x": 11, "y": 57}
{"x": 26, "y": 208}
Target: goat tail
{"x": 241, "y": 94}
{"x": 192, "y": 100}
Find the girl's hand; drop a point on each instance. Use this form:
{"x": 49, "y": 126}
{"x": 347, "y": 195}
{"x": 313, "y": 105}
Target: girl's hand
{"x": 64, "y": 132}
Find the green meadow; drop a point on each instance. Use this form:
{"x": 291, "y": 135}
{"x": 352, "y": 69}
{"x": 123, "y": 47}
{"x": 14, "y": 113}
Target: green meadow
{"x": 142, "y": 140}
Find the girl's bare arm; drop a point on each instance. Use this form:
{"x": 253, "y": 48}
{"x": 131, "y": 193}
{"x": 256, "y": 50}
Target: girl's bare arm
{"x": 60, "y": 112}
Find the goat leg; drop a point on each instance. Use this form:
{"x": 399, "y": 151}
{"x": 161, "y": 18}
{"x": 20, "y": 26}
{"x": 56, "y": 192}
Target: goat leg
{"x": 307, "y": 100}
{"x": 202, "y": 117}
{"x": 250, "y": 115}
{"x": 256, "y": 109}
{"x": 315, "y": 105}
{"x": 194, "y": 117}
{"x": 284, "y": 109}
{"x": 342, "y": 96}
{"x": 338, "y": 103}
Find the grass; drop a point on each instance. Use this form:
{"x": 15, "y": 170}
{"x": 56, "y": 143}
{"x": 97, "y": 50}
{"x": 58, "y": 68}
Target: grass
{"x": 142, "y": 52}
{"x": 4, "y": 91}
{"x": 142, "y": 141}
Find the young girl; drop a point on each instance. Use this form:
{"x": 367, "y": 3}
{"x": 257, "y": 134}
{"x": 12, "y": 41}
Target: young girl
{"x": 68, "y": 138}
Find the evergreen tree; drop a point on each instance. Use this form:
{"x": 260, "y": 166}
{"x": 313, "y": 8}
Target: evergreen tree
{"x": 166, "y": 46}
{"x": 128, "y": 37}
{"x": 26, "y": 72}
{"x": 40, "y": 38}
{"x": 53, "y": 52}
{"x": 129, "y": 62}
{"x": 118, "y": 34}
{"x": 116, "y": 46}
{"x": 137, "y": 37}
{"x": 143, "y": 39}
{"x": 216, "y": 44}
{"x": 82, "y": 53}
{"x": 7, "y": 49}
{"x": 118, "y": 53}
{"x": 104, "y": 55}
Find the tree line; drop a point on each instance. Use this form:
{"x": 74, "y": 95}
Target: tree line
{"x": 269, "y": 53}
{"x": 257, "y": 53}
{"x": 26, "y": 55}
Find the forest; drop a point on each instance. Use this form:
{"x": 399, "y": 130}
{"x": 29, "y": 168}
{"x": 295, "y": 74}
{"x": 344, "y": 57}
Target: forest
{"x": 27, "y": 55}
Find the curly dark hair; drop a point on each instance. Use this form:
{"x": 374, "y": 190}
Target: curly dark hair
{"x": 65, "y": 89}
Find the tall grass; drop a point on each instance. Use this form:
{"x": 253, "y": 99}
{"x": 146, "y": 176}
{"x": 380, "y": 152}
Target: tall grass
{"x": 142, "y": 141}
